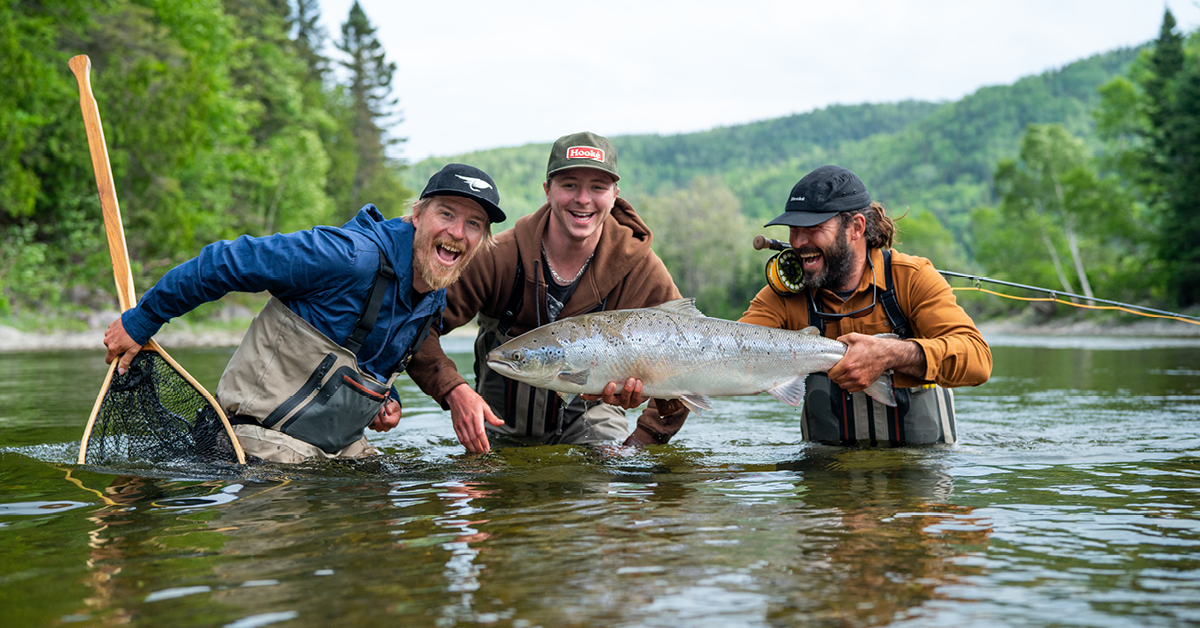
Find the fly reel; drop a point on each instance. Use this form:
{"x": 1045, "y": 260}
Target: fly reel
{"x": 785, "y": 273}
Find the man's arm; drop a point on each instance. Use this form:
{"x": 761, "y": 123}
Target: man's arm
{"x": 867, "y": 357}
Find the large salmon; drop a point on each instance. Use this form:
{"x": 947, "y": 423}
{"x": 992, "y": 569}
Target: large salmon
{"x": 676, "y": 351}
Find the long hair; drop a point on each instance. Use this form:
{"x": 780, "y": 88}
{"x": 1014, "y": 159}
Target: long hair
{"x": 881, "y": 230}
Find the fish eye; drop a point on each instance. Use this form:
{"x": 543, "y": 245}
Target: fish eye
{"x": 517, "y": 355}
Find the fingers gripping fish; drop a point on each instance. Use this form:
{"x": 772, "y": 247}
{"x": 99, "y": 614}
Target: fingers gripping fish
{"x": 677, "y": 352}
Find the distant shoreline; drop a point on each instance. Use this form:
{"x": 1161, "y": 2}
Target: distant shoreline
{"x": 15, "y": 341}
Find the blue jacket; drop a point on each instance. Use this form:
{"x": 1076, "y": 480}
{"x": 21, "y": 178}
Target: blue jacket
{"x": 324, "y": 275}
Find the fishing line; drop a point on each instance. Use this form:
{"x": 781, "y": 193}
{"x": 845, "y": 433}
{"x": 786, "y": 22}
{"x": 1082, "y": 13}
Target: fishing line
{"x": 1054, "y": 298}
{"x": 785, "y": 275}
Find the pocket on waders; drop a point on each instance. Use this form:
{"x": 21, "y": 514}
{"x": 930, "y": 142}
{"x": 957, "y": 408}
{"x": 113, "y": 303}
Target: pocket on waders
{"x": 345, "y": 402}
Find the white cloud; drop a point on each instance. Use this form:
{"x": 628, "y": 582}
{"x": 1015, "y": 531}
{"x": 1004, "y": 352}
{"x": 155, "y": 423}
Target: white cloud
{"x": 477, "y": 74}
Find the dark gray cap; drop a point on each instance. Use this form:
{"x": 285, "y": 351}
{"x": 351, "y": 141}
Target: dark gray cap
{"x": 583, "y": 150}
{"x": 467, "y": 182}
{"x": 821, "y": 195}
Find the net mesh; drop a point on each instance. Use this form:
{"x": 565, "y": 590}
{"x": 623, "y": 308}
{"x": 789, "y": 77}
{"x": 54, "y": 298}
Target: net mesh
{"x": 153, "y": 414}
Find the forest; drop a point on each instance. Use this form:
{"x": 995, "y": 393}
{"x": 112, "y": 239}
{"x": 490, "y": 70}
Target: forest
{"x": 226, "y": 118}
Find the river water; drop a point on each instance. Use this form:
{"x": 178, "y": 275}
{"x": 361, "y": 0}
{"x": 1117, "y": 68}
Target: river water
{"x": 1071, "y": 500}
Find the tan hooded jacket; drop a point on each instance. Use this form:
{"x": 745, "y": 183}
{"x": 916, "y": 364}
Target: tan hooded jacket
{"x": 624, "y": 270}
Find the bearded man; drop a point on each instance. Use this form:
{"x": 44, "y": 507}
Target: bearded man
{"x": 854, "y": 288}
{"x": 584, "y": 251}
{"x": 349, "y": 307}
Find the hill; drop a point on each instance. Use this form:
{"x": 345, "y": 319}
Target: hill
{"x": 934, "y": 160}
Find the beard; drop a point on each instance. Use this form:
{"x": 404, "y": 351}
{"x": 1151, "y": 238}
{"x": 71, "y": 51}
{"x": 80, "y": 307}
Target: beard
{"x": 838, "y": 264}
{"x": 432, "y": 273}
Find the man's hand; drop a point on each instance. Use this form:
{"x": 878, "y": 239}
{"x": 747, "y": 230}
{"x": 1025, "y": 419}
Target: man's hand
{"x": 388, "y": 417}
{"x": 628, "y": 397}
{"x": 468, "y": 411}
{"x": 120, "y": 345}
{"x": 867, "y": 357}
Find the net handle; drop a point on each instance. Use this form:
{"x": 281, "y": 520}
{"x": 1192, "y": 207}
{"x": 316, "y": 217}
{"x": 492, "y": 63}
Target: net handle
{"x": 81, "y": 67}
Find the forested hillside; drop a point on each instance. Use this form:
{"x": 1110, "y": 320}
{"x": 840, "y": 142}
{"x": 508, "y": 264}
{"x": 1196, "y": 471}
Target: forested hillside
{"x": 227, "y": 117}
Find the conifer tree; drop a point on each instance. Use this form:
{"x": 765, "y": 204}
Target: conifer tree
{"x": 371, "y": 106}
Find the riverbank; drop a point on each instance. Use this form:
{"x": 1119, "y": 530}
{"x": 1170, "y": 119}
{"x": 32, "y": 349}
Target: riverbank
{"x": 228, "y": 333}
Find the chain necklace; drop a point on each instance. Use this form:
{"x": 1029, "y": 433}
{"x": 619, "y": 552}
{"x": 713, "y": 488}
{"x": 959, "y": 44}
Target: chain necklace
{"x": 560, "y": 280}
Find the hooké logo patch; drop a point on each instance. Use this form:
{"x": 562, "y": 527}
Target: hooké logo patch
{"x": 585, "y": 152}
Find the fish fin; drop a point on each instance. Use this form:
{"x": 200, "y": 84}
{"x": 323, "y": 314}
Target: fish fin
{"x": 881, "y": 390}
{"x": 696, "y": 403}
{"x": 567, "y": 398}
{"x": 791, "y": 393}
{"x": 811, "y": 331}
{"x": 578, "y": 377}
{"x": 888, "y": 336}
{"x": 682, "y": 307}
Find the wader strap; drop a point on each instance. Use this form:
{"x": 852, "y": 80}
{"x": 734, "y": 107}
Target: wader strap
{"x": 814, "y": 319}
{"x": 516, "y": 299}
{"x": 366, "y": 322}
{"x": 891, "y": 306}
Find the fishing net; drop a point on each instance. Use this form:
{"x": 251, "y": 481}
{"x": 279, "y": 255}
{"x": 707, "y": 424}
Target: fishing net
{"x": 154, "y": 414}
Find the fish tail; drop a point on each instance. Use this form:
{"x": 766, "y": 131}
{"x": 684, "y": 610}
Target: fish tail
{"x": 881, "y": 390}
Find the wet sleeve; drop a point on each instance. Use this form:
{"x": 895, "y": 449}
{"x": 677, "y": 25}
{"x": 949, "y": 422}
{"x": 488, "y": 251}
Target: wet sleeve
{"x": 661, "y": 420}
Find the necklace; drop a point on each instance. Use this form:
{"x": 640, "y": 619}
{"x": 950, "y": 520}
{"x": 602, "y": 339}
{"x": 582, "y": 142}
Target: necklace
{"x": 560, "y": 279}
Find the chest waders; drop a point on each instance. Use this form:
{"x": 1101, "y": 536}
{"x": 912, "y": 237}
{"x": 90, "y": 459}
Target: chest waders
{"x": 288, "y": 377}
{"x": 923, "y": 415}
{"x": 536, "y": 414}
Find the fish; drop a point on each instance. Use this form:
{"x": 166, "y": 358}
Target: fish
{"x": 677, "y": 352}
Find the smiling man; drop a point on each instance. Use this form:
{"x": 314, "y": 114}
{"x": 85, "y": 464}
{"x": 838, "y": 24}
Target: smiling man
{"x": 854, "y": 287}
{"x": 349, "y": 307}
{"x": 585, "y": 250}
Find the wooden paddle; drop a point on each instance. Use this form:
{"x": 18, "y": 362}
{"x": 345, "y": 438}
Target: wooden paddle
{"x": 81, "y": 66}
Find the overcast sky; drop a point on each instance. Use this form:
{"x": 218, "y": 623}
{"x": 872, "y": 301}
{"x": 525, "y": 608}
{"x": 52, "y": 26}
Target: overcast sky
{"x": 479, "y": 74}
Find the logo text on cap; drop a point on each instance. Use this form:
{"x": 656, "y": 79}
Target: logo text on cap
{"x": 474, "y": 183}
{"x": 585, "y": 152}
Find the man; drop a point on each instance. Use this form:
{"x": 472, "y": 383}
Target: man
{"x": 349, "y": 307}
{"x": 855, "y": 287}
{"x": 585, "y": 250}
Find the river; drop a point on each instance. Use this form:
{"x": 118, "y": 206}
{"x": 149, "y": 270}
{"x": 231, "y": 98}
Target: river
{"x": 1072, "y": 499}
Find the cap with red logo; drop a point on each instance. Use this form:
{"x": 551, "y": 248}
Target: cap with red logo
{"x": 583, "y": 150}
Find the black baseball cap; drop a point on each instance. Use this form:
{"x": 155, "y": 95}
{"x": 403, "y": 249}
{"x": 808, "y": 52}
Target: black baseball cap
{"x": 821, "y": 195}
{"x": 583, "y": 150}
{"x": 467, "y": 182}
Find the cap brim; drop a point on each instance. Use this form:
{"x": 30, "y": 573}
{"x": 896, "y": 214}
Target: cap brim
{"x": 801, "y": 219}
{"x": 583, "y": 164}
{"x": 494, "y": 213}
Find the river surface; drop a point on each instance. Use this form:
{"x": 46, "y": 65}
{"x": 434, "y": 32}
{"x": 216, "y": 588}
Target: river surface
{"x": 1071, "y": 500}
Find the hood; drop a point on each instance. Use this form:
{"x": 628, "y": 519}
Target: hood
{"x": 624, "y": 243}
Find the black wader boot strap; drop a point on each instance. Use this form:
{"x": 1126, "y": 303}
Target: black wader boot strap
{"x": 366, "y": 322}
{"x": 891, "y": 306}
{"x": 516, "y": 299}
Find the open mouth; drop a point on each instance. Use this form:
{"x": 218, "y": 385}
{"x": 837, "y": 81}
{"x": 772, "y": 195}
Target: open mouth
{"x": 582, "y": 216}
{"x": 810, "y": 260}
{"x": 448, "y": 252}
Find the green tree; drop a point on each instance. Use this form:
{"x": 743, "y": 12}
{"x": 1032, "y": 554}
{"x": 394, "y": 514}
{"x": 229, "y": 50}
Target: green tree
{"x": 1053, "y": 199}
{"x": 705, "y": 242}
{"x": 373, "y": 176}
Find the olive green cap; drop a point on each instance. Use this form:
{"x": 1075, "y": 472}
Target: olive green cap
{"x": 583, "y": 150}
